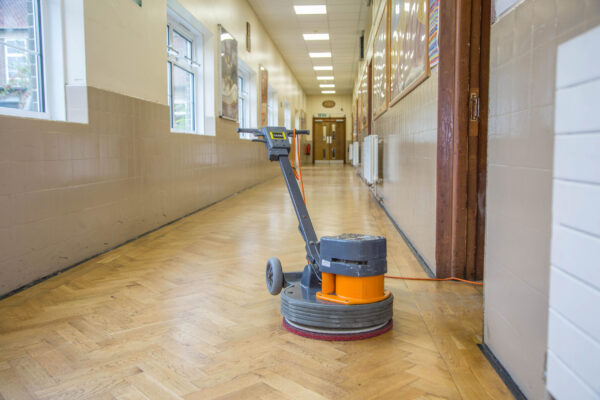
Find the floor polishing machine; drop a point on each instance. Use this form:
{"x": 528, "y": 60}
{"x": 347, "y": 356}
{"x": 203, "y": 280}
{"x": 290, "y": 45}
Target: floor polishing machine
{"x": 340, "y": 293}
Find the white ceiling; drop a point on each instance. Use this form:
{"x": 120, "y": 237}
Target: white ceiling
{"x": 344, "y": 22}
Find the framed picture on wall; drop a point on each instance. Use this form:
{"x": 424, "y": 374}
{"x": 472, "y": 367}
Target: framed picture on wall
{"x": 228, "y": 75}
{"x": 364, "y": 99}
{"x": 263, "y": 77}
{"x": 409, "y": 46}
{"x": 380, "y": 65}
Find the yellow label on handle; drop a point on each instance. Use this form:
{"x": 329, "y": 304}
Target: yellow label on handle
{"x": 277, "y": 135}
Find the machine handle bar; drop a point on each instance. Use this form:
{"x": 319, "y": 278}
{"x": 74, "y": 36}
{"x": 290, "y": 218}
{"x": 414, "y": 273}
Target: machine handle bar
{"x": 299, "y": 131}
{"x": 249, "y": 130}
{"x": 259, "y": 132}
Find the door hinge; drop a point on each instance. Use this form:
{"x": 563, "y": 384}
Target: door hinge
{"x": 474, "y": 106}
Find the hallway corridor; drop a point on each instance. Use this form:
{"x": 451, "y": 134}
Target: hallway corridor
{"x": 183, "y": 312}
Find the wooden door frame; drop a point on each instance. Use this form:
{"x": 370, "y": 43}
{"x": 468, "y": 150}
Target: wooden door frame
{"x": 460, "y": 208}
{"x": 329, "y": 119}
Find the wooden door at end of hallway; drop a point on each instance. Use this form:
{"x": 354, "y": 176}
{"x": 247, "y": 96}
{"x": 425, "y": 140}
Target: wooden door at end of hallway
{"x": 329, "y": 140}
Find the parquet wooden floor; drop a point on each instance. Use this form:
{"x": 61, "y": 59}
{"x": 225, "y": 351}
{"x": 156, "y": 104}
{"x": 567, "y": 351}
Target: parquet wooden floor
{"x": 184, "y": 313}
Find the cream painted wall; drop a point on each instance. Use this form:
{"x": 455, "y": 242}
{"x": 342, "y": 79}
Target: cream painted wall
{"x": 126, "y": 46}
{"x": 523, "y": 50}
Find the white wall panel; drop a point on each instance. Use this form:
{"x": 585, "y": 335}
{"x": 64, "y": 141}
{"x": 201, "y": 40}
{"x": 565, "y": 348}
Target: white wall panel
{"x": 574, "y": 326}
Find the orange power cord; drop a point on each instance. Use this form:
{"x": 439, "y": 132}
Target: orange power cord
{"x": 435, "y": 279}
{"x": 298, "y": 176}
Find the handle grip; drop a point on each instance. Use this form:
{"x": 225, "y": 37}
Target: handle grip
{"x": 248, "y": 130}
{"x": 299, "y": 131}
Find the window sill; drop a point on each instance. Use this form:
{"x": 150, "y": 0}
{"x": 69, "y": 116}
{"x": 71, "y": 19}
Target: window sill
{"x": 190, "y": 133}
{"x": 14, "y": 112}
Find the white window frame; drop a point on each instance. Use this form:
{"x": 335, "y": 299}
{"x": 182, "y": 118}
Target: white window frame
{"x": 192, "y": 66}
{"x": 58, "y": 20}
{"x": 272, "y": 108}
{"x": 40, "y": 52}
{"x": 248, "y": 96}
{"x": 185, "y": 23}
{"x": 287, "y": 114}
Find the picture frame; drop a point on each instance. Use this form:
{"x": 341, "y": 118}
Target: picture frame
{"x": 248, "y": 37}
{"x": 228, "y": 75}
{"x": 409, "y": 47}
{"x": 364, "y": 99}
{"x": 380, "y": 97}
{"x": 263, "y": 80}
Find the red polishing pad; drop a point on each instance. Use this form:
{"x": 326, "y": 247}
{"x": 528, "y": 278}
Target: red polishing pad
{"x": 337, "y": 337}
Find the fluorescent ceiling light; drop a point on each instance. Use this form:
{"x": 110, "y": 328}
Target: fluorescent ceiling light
{"x": 320, "y": 9}
{"x": 325, "y": 78}
{"x": 328, "y": 91}
{"x": 326, "y": 54}
{"x": 323, "y": 68}
{"x": 327, "y": 85}
{"x": 316, "y": 36}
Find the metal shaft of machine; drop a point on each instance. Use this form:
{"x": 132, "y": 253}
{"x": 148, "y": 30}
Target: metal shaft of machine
{"x": 306, "y": 226}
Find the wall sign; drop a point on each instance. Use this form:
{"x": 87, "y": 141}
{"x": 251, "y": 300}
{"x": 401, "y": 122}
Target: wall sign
{"x": 329, "y": 104}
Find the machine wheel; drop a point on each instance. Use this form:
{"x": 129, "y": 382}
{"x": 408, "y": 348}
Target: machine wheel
{"x": 274, "y": 275}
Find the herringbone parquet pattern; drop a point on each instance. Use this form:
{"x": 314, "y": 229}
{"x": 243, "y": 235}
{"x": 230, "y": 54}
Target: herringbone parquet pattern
{"x": 184, "y": 313}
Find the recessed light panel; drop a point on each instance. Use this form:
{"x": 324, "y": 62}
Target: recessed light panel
{"x": 326, "y": 54}
{"x": 318, "y": 9}
{"x": 325, "y": 78}
{"x": 328, "y": 91}
{"x": 323, "y": 68}
{"x": 327, "y": 85}
{"x": 316, "y": 36}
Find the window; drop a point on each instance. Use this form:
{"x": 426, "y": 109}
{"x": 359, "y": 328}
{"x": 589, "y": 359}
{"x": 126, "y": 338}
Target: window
{"x": 21, "y": 58}
{"x": 287, "y": 114}
{"x": 242, "y": 101}
{"x": 184, "y": 49}
{"x": 247, "y": 99}
{"x": 272, "y": 108}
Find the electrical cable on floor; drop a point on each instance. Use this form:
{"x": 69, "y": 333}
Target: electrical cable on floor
{"x": 298, "y": 175}
{"x": 435, "y": 279}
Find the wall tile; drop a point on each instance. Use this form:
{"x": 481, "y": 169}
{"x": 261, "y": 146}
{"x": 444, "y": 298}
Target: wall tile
{"x": 69, "y": 191}
{"x": 409, "y": 134}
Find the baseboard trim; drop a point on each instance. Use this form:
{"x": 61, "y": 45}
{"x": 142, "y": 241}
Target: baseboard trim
{"x": 60, "y": 271}
{"x": 412, "y": 248}
{"x": 502, "y": 372}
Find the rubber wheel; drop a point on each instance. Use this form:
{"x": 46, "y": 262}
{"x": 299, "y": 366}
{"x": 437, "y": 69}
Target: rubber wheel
{"x": 274, "y": 275}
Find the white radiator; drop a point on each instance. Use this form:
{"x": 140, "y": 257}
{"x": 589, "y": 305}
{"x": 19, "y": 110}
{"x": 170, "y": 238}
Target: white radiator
{"x": 370, "y": 159}
{"x": 355, "y": 154}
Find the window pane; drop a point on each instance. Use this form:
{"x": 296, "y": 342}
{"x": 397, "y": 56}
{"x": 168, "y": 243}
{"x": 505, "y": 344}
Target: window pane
{"x": 182, "y": 45}
{"x": 241, "y": 113}
{"x": 20, "y": 59}
{"x": 182, "y": 83}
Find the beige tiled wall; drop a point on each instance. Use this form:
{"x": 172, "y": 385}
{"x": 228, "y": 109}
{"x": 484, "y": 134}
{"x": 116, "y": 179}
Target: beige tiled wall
{"x": 69, "y": 191}
{"x": 519, "y": 187}
{"x": 409, "y": 133}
